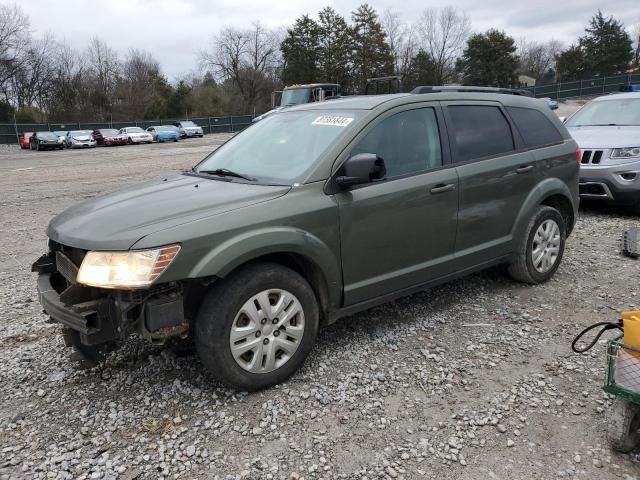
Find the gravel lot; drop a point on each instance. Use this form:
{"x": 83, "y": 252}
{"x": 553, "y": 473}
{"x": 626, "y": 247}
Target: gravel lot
{"x": 474, "y": 379}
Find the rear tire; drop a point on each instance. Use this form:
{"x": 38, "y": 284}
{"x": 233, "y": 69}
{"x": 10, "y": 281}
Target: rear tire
{"x": 623, "y": 425}
{"x": 540, "y": 250}
{"x": 247, "y": 304}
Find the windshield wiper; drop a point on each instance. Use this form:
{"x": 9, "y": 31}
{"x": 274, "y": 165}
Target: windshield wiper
{"x": 225, "y": 172}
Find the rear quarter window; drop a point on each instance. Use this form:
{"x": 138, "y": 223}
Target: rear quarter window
{"x": 536, "y": 129}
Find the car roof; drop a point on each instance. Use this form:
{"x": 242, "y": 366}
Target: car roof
{"x": 618, "y": 96}
{"x": 370, "y": 102}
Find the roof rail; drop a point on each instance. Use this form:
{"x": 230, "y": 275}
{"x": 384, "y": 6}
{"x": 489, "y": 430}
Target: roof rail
{"x": 471, "y": 89}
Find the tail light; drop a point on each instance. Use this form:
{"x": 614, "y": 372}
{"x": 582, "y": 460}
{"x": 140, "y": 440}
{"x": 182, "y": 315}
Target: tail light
{"x": 578, "y": 155}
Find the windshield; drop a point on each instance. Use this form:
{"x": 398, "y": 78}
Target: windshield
{"x": 47, "y": 136}
{"x": 162, "y": 127}
{"x": 295, "y": 96}
{"x": 60, "y": 133}
{"x": 282, "y": 147}
{"x": 188, "y": 124}
{"x": 79, "y": 133}
{"x": 109, "y": 132}
{"x": 624, "y": 111}
{"x": 135, "y": 130}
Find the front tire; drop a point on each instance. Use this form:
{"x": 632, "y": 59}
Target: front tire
{"x": 540, "y": 251}
{"x": 256, "y": 327}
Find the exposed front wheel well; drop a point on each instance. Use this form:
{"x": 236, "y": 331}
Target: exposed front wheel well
{"x": 564, "y": 206}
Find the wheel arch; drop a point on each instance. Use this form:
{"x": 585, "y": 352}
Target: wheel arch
{"x": 295, "y": 249}
{"x": 552, "y": 192}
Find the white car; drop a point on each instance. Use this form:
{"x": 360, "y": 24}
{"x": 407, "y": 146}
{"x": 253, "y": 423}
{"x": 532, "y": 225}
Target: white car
{"x": 136, "y": 135}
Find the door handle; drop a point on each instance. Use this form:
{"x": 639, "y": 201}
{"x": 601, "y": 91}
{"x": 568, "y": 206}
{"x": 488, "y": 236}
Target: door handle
{"x": 443, "y": 188}
{"x": 525, "y": 169}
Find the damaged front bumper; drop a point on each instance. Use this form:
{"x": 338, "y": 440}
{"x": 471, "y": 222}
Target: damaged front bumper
{"x": 98, "y": 316}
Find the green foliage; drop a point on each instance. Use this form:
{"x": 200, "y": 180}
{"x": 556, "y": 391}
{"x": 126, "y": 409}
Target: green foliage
{"x": 301, "y": 51}
{"x": 606, "y": 46}
{"x": 372, "y": 55}
{"x": 422, "y": 71}
{"x": 489, "y": 60}
{"x": 6, "y": 112}
{"x": 335, "y": 41}
{"x": 570, "y": 64}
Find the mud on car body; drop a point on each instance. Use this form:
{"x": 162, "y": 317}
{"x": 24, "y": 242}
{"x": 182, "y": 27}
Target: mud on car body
{"x": 318, "y": 212}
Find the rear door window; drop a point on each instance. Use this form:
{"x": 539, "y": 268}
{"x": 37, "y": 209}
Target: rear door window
{"x": 536, "y": 129}
{"x": 479, "y": 131}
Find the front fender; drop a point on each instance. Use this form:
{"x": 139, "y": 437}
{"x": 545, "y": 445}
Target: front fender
{"x": 232, "y": 253}
{"x": 544, "y": 189}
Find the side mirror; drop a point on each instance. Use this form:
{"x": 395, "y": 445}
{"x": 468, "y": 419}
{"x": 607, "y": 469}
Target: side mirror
{"x": 563, "y": 119}
{"x": 361, "y": 168}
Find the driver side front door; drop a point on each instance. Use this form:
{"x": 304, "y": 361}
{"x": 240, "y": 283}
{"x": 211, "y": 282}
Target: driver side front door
{"x": 400, "y": 232}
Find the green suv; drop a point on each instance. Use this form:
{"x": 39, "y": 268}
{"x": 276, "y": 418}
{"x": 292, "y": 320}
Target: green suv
{"x": 312, "y": 214}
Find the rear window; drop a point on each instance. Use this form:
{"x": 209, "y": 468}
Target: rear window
{"x": 479, "y": 131}
{"x": 536, "y": 129}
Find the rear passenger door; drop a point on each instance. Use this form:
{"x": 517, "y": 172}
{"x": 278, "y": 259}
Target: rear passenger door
{"x": 496, "y": 174}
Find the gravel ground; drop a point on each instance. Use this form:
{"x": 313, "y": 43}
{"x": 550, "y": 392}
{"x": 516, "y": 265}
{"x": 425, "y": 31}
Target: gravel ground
{"x": 473, "y": 379}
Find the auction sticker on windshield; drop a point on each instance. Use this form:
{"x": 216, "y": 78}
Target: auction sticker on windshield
{"x": 332, "y": 120}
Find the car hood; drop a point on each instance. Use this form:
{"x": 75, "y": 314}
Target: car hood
{"x": 606, "y": 136}
{"x": 116, "y": 221}
{"x": 138, "y": 134}
{"x": 82, "y": 138}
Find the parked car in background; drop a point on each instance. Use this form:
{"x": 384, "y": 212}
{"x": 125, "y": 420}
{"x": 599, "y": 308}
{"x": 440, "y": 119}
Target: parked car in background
{"x": 136, "y": 135}
{"x": 45, "y": 141}
{"x": 607, "y": 130}
{"x": 80, "y": 139}
{"x": 310, "y": 215}
{"x": 551, "y": 103}
{"x": 164, "y": 133}
{"x": 109, "y": 137}
{"x": 188, "y": 129}
{"x": 62, "y": 134}
{"x": 23, "y": 140}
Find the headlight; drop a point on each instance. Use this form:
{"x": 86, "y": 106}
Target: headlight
{"x": 629, "y": 152}
{"x": 132, "y": 269}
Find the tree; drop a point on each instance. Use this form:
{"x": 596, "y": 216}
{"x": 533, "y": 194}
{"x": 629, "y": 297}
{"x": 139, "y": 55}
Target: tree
{"x": 104, "y": 69}
{"x": 402, "y": 40}
{"x": 14, "y": 37}
{"x": 536, "y": 58}
{"x": 636, "y": 52}
{"x": 335, "y": 47}
{"x": 301, "y": 51}
{"x": 245, "y": 63}
{"x": 443, "y": 34}
{"x": 371, "y": 55}
{"x": 422, "y": 71}
{"x": 570, "y": 64}
{"x": 606, "y": 46}
{"x": 489, "y": 60}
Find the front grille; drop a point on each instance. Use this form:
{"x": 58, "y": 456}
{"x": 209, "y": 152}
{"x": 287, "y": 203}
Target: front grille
{"x": 66, "y": 267}
{"x": 591, "y": 156}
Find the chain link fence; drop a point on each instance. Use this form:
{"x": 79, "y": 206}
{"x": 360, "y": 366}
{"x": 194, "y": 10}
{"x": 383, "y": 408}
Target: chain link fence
{"x": 584, "y": 88}
{"x": 9, "y": 131}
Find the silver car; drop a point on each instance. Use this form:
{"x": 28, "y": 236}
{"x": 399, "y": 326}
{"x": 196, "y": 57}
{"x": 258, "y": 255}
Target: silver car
{"x": 80, "y": 139}
{"x": 189, "y": 129}
{"x": 607, "y": 130}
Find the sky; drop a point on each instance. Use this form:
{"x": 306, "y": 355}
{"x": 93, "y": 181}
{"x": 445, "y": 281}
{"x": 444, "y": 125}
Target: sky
{"x": 173, "y": 31}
